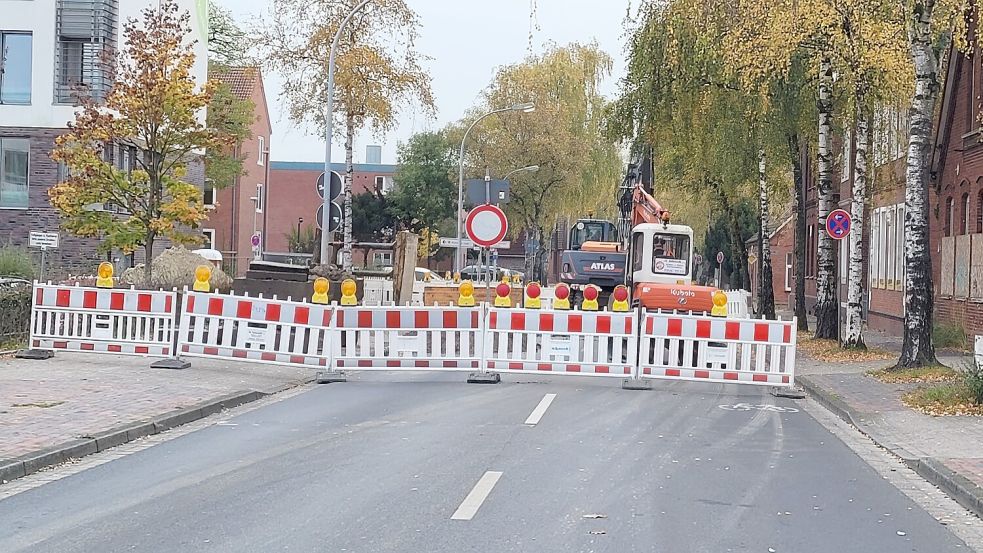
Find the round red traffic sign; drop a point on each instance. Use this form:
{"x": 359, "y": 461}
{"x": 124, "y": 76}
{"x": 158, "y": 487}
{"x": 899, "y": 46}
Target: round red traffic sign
{"x": 486, "y": 225}
{"x": 838, "y": 224}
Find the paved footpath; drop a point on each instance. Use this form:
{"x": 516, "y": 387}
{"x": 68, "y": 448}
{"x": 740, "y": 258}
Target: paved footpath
{"x": 52, "y": 406}
{"x": 947, "y": 451}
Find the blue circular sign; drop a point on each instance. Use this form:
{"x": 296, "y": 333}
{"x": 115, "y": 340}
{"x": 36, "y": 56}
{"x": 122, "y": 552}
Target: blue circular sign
{"x": 838, "y": 224}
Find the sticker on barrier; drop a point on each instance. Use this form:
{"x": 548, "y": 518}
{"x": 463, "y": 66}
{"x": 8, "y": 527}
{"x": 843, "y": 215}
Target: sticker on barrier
{"x": 586, "y": 343}
{"x": 420, "y": 338}
{"x": 266, "y": 330}
{"x": 124, "y": 321}
{"x": 687, "y": 347}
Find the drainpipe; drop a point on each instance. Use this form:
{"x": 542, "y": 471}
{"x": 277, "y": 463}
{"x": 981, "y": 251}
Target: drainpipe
{"x": 266, "y": 200}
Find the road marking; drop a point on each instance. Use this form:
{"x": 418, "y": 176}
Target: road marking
{"x": 540, "y": 409}
{"x": 473, "y": 501}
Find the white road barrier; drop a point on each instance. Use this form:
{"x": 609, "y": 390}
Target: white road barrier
{"x": 127, "y": 321}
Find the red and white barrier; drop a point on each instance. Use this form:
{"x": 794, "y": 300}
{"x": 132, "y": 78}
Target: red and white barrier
{"x": 591, "y": 343}
{"x": 689, "y": 347}
{"x": 408, "y": 337}
{"x": 266, "y": 330}
{"x": 127, "y": 321}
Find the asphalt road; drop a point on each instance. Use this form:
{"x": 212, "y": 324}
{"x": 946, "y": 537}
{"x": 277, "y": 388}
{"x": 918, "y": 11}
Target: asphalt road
{"x": 427, "y": 463}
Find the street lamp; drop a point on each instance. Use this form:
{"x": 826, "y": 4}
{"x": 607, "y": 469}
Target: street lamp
{"x": 526, "y": 107}
{"x": 527, "y": 169}
{"x": 329, "y": 113}
{"x": 300, "y": 221}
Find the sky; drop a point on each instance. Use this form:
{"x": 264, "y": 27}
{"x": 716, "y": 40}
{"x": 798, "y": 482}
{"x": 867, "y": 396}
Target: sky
{"x": 466, "y": 40}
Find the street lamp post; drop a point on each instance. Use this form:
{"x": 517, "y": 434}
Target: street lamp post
{"x": 300, "y": 221}
{"x": 525, "y": 108}
{"x": 329, "y": 113}
{"x": 527, "y": 169}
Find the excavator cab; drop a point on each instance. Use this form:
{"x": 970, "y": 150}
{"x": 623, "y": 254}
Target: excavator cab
{"x": 595, "y": 231}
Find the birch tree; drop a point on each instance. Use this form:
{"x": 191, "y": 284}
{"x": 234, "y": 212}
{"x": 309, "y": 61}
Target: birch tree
{"x": 378, "y": 71}
{"x": 766, "y": 292}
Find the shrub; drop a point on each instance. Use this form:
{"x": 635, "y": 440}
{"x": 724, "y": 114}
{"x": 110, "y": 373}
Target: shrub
{"x": 973, "y": 380}
{"x": 16, "y": 262}
{"x": 949, "y": 336}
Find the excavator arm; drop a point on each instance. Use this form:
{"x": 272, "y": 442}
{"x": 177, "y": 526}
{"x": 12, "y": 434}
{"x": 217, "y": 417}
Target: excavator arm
{"x": 645, "y": 208}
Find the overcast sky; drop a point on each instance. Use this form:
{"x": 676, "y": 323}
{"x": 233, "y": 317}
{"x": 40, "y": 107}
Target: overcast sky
{"x": 467, "y": 40}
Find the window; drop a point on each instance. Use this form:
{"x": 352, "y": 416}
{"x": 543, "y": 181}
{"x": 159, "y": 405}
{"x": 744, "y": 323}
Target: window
{"x": 964, "y": 220}
{"x": 949, "y": 216}
{"x": 789, "y": 274}
{"x": 209, "y": 235}
{"x": 979, "y": 212}
{"x": 637, "y": 247}
{"x": 899, "y": 268}
{"x": 382, "y": 259}
{"x": 670, "y": 254}
{"x": 86, "y": 31}
{"x": 208, "y": 193}
{"x": 15, "y": 68}
{"x": 875, "y": 246}
{"x": 846, "y": 157}
{"x": 14, "y": 161}
{"x": 259, "y": 199}
{"x": 380, "y": 182}
{"x": 261, "y": 156}
{"x": 592, "y": 231}
{"x": 887, "y": 271}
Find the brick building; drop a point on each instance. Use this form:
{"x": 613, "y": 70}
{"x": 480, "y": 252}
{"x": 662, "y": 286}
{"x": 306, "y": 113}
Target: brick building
{"x": 50, "y": 47}
{"x": 238, "y": 208}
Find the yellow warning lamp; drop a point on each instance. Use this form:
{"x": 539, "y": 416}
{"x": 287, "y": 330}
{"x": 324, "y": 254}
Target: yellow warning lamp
{"x": 620, "y": 296}
{"x": 348, "y": 289}
{"x": 516, "y": 279}
{"x": 503, "y": 295}
{"x": 105, "y": 275}
{"x": 590, "y": 298}
{"x": 561, "y": 296}
{"x": 321, "y": 286}
{"x": 447, "y": 275}
{"x": 466, "y": 291}
{"x": 203, "y": 273}
{"x": 719, "y": 304}
{"x": 457, "y": 276}
{"x": 533, "y": 293}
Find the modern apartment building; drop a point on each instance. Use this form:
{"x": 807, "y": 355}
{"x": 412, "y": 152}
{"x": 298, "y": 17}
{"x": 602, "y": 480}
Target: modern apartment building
{"x": 47, "y": 48}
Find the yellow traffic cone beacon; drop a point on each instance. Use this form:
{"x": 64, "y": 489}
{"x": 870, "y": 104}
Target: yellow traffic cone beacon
{"x": 719, "y": 304}
{"x": 348, "y": 289}
{"x": 620, "y": 296}
{"x": 561, "y": 296}
{"x": 533, "y": 293}
{"x": 104, "y": 276}
{"x": 466, "y": 291}
{"x": 503, "y": 295}
{"x": 203, "y": 273}
{"x": 590, "y": 298}
{"x": 321, "y": 286}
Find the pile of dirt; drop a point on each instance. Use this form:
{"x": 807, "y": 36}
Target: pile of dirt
{"x": 174, "y": 268}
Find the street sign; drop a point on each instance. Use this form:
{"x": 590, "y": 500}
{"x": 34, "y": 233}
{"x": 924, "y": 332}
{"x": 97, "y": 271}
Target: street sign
{"x": 720, "y": 258}
{"x": 498, "y": 191}
{"x": 838, "y": 224}
{"x": 335, "y": 185}
{"x": 698, "y": 259}
{"x": 486, "y": 225}
{"x": 256, "y": 239}
{"x": 467, "y": 243}
{"x": 752, "y": 259}
{"x": 43, "y": 240}
{"x": 334, "y": 217}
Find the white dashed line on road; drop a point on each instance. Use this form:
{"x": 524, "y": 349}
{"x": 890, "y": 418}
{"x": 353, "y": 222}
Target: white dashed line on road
{"x": 540, "y": 410}
{"x": 469, "y": 507}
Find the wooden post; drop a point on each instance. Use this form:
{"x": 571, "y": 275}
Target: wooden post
{"x": 404, "y": 266}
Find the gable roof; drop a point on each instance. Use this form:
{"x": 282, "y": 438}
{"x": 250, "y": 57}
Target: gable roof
{"x": 241, "y": 80}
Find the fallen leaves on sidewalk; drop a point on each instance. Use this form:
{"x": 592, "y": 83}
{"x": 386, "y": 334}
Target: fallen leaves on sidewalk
{"x": 41, "y": 404}
{"x": 922, "y": 375}
{"x": 943, "y": 400}
{"x": 830, "y": 351}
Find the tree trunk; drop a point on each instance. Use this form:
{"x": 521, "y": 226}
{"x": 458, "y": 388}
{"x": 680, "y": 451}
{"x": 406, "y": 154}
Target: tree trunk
{"x": 917, "y": 349}
{"x": 766, "y": 291}
{"x": 827, "y": 310}
{"x": 854, "y": 333}
{"x": 346, "y": 250}
{"x": 148, "y": 269}
{"x": 795, "y": 151}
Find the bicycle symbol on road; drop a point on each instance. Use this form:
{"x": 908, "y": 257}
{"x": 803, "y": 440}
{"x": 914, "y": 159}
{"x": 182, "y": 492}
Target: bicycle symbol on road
{"x": 749, "y": 407}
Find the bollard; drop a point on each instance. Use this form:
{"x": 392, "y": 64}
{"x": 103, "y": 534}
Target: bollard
{"x": 321, "y": 287}
{"x": 348, "y": 289}
{"x": 503, "y": 296}
{"x": 532, "y": 297}
{"x": 466, "y": 291}
{"x": 203, "y": 273}
{"x": 562, "y": 296}
{"x": 591, "y": 293}
{"x": 104, "y": 278}
{"x": 620, "y": 295}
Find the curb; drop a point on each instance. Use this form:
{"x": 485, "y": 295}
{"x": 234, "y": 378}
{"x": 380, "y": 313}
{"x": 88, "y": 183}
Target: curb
{"x": 30, "y": 463}
{"x": 959, "y": 488}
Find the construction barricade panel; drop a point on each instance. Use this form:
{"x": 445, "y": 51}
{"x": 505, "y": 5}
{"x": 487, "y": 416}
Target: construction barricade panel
{"x": 125, "y": 321}
{"x": 266, "y": 330}
{"x": 590, "y": 343}
{"x": 687, "y": 347}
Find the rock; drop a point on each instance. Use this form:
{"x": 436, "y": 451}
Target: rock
{"x": 174, "y": 268}
{"x": 331, "y": 272}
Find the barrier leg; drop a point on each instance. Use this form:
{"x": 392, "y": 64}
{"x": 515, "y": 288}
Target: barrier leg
{"x": 174, "y": 362}
{"x": 636, "y": 382}
{"x": 483, "y": 375}
{"x": 34, "y": 353}
{"x": 332, "y": 339}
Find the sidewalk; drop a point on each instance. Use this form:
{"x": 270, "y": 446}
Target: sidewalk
{"x": 947, "y": 451}
{"x": 76, "y": 404}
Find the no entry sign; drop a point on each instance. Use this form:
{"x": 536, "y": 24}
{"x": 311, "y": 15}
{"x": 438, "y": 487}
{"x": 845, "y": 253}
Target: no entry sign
{"x": 486, "y": 225}
{"x": 838, "y": 224}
